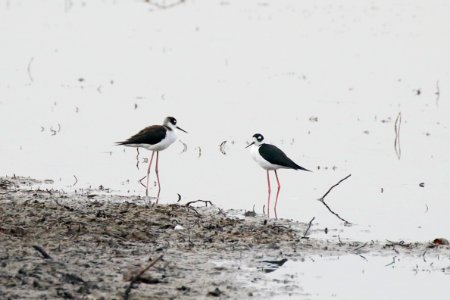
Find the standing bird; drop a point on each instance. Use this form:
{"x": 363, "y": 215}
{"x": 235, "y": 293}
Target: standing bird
{"x": 154, "y": 138}
{"x": 270, "y": 158}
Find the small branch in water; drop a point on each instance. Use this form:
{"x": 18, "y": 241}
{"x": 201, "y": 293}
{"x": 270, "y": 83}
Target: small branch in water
{"x": 76, "y": 180}
{"x": 307, "y": 229}
{"x": 437, "y": 93}
{"x": 140, "y": 181}
{"x": 222, "y": 147}
{"x": 322, "y": 199}
{"x": 135, "y": 278}
{"x": 184, "y": 146}
{"x": 391, "y": 263}
{"x": 339, "y": 182}
{"x": 29, "y": 69}
{"x": 398, "y": 122}
{"x": 179, "y": 198}
{"x": 137, "y": 158}
{"x": 42, "y": 251}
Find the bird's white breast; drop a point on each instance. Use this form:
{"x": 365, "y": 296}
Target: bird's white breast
{"x": 254, "y": 150}
{"x": 169, "y": 139}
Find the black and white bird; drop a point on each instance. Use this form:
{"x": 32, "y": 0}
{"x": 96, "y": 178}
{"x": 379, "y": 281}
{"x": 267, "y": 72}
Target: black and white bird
{"x": 155, "y": 138}
{"x": 271, "y": 158}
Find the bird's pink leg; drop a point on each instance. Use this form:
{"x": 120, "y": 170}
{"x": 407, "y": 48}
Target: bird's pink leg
{"x": 157, "y": 175}
{"x": 148, "y": 172}
{"x": 268, "y": 198}
{"x": 278, "y": 192}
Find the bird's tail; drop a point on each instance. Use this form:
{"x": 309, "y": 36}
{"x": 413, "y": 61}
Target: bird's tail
{"x": 303, "y": 169}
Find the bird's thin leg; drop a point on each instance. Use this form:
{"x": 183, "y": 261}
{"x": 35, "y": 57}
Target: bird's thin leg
{"x": 278, "y": 192}
{"x": 268, "y": 198}
{"x": 148, "y": 172}
{"x": 157, "y": 175}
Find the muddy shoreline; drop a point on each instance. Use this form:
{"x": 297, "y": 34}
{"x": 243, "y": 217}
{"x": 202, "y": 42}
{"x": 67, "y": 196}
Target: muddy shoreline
{"x": 97, "y": 243}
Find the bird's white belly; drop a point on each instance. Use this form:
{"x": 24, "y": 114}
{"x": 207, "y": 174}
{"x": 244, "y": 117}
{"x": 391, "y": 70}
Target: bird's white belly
{"x": 254, "y": 150}
{"x": 170, "y": 138}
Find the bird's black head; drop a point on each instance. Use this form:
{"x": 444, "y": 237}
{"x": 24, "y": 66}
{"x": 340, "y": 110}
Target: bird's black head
{"x": 171, "y": 120}
{"x": 258, "y": 137}
{"x": 257, "y": 140}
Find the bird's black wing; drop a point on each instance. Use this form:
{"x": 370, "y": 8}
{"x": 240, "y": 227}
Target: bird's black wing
{"x": 150, "y": 135}
{"x": 275, "y": 156}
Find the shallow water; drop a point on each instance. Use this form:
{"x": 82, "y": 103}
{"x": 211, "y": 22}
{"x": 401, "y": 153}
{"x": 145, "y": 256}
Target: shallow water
{"x": 73, "y": 84}
{"x": 354, "y": 277}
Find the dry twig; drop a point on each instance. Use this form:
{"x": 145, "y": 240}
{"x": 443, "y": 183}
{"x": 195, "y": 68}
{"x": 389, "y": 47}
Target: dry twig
{"x": 42, "y": 251}
{"x": 135, "y": 278}
{"x": 307, "y": 229}
{"x": 322, "y": 199}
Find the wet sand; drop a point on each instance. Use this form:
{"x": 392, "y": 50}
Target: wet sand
{"x": 97, "y": 243}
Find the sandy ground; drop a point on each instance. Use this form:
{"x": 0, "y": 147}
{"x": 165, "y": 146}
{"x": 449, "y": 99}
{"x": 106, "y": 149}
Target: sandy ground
{"x": 97, "y": 243}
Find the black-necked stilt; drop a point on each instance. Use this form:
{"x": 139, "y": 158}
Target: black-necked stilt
{"x": 155, "y": 138}
{"x": 271, "y": 158}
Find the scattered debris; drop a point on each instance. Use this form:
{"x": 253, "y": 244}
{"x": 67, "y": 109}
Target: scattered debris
{"x": 440, "y": 241}
{"x": 273, "y": 265}
{"x": 250, "y": 213}
{"x": 215, "y": 293}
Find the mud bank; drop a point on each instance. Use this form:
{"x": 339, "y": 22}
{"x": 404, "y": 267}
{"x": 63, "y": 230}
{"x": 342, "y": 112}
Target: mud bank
{"x": 58, "y": 245}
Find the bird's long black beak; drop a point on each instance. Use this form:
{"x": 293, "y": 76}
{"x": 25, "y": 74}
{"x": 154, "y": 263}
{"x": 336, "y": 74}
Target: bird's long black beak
{"x": 181, "y": 129}
{"x": 250, "y": 144}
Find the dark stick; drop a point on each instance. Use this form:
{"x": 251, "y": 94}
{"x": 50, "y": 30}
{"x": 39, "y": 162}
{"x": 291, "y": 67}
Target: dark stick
{"x": 322, "y": 199}
{"x": 326, "y": 194}
{"x": 307, "y": 229}
{"x": 222, "y": 147}
{"x": 140, "y": 181}
{"x": 42, "y": 251}
{"x": 195, "y": 201}
{"x": 76, "y": 180}
{"x": 137, "y": 158}
{"x": 135, "y": 278}
{"x": 360, "y": 247}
